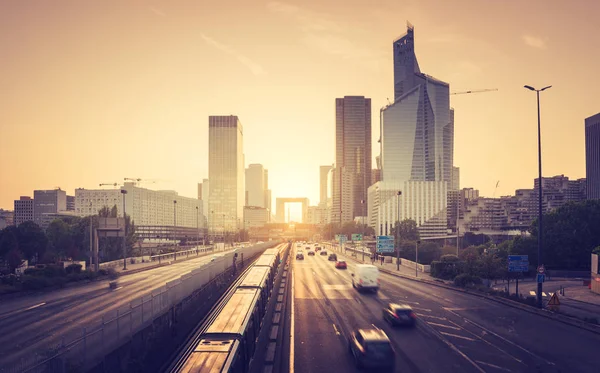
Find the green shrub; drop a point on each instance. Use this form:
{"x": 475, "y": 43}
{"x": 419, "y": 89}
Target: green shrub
{"x": 9, "y": 280}
{"x": 54, "y": 271}
{"x": 35, "y": 282}
{"x": 112, "y": 274}
{"x": 445, "y": 270}
{"x": 34, "y": 272}
{"x": 465, "y": 279}
{"x": 449, "y": 258}
{"x": 73, "y": 268}
{"x": 7, "y": 289}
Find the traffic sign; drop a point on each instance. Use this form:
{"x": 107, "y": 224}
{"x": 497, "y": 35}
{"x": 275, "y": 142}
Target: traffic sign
{"x": 385, "y": 244}
{"x": 342, "y": 238}
{"x": 554, "y": 300}
{"x": 541, "y": 269}
{"x": 518, "y": 263}
{"x": 357, "y": 237}
{"x": 541, "y": 278}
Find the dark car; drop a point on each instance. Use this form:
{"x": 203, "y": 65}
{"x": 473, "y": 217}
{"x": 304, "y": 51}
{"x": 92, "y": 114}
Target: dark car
{"x": 341, "y": 265}
{"x": 371, "y": 348}
{"x": 332, "y": 257}
{"x": 311, "y": 253}
{"x": 323, "y": 252}
{"x": 300, "y": 256}
{"x": 307, "y": 248}
{"x": 317, "y": 248}
{"x": 399, "y": 314}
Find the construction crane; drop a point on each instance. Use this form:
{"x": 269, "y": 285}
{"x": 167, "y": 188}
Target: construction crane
{"x": 474, "y": 91}
{"x": 137, "y": 181}
{"x": 105, "y": 184}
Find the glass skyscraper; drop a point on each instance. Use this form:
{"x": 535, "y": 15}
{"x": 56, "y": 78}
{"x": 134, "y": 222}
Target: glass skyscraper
{"x": 417, "y": 130}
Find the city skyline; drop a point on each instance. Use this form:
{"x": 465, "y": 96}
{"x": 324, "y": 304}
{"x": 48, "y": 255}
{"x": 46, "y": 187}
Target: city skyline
{"x": 157, "y": 135}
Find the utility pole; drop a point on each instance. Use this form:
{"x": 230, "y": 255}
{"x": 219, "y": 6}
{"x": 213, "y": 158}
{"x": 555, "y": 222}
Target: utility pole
{"x": 399, "y": 194}
{"x": 417, "y": 258}
{"x": 91, "y": 237}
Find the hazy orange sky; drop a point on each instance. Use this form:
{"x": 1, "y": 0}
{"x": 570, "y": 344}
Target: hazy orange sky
{"x": 95, "y": 91}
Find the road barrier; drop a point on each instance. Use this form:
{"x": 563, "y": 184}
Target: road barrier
{"x": 82, "y": 349}
{"x": 403, "y": 262}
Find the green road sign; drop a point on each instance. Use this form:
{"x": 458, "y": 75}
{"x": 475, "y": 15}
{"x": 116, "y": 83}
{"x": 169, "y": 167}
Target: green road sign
{"x": 357, "y": 237}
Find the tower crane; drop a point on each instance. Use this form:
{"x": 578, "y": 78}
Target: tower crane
{"x": 474, "y": 91}
{"x": 138, "y": 180}
{"x": 105, "y": 184}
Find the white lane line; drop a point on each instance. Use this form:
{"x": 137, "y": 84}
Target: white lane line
{"x": 382, "y": 296}
{"x": 36, "y": 306}
{"x": 422, "y": 309}
{"x": 492, "y": 366}
{"x": 457, "y": 336}
{"x": 120, "y": 287}
{"x": 504, "y": 339}
{"x": 292, "y": 326}
{"x": 443, "y": 325}
{"x": 409, "y": 302}
{"x": 337, "y": 332}
{"x": 432, "y": 317}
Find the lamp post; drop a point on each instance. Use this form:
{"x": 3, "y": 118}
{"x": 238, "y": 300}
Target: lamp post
{"x": 91, "y": 237}
{"x": 398, "y": 232}
{"x": 417, "y": 258}
{"x": 362, "y": 229}
{"x": 174, "y": 219}
{"x": 540, "y": 213}
{"x": 197, "y": 227}
{"x": 124, "y": 192}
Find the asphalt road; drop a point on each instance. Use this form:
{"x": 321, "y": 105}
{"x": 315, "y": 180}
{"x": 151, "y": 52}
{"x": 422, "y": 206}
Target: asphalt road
{"x": 455, "y": 332}
{"x": 32, "y": 324}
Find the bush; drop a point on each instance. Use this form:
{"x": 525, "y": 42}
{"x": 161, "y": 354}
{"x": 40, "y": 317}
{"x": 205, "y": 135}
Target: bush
{"x": 73, "y": 268}
{"x": 445, "y": 270}
{"x": 449, "y": 258}
{"x": 465, "y": 279}
{"x": 34, "y": 272}
{"x": 35, "y": 282}
{"x": 7, "y": 289}
{"x": 9, "y": 280}
{"x": 54, "y": 271}
{"x": 102, "y": 272}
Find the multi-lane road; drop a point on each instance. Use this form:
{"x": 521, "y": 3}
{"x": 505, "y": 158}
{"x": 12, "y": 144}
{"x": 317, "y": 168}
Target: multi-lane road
{"x": 456, "y": 332}
{"x": 32, "y": 324}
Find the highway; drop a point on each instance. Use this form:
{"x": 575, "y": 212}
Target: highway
{"x": 455, "y": 332}
{"x": 32, "y": 324}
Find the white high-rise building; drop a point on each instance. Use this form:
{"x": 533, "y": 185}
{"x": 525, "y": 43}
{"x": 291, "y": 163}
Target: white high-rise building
{"x": 225, "y": 173}
{"x": 145, "y": 206}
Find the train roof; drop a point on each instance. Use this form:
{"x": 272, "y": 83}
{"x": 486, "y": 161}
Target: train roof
{"x": 273, "y": 251}
{"x": 257, "y": 276}
{"x": 209, "y": 356}
{"x": 265, "y": 260}
{"x": 234, "y": 317}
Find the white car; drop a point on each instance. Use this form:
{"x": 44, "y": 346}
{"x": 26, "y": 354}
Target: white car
{"x": 366, "y": 277}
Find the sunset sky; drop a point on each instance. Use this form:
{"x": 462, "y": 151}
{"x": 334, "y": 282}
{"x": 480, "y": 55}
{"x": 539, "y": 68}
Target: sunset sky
{"x": 94, "y": 91}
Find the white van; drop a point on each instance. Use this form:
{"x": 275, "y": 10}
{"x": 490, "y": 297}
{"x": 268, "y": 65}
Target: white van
{"x": 366, "y": 277}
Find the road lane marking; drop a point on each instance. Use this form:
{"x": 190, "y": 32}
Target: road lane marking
{"x": 504, "y": 339}
{"x": 492, "y": 366}
{"x": 432, "y": 317}
{"x": 457, "y": 336}
{"x": 382, "y": 296}
{"x": 422, "y": 309}
{"x": 336, "y": 287}
{"x": 36, "y": 306}
{"x": 443, "y": 325}
{"x": 292, "y": 327}
{"x": 409, "y": 302}
{"x": 337, "y": 332}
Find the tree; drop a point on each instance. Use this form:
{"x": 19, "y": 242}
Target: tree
{"x": 14, "y": 260}
{"x": 9, "y": 241}
{"x": 470, "y": 258}
{"x": 490, "y": 266}
{"x": 32, "y": 240}
{"x": 406, "y": 230}
{"x": 428, "y": 252}
{"x": 60, "y": 239}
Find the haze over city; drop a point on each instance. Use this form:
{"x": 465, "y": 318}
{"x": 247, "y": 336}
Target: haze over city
{"x": 97, "y": 91}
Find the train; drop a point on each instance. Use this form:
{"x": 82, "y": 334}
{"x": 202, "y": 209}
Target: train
{"x": 228, "y": 343}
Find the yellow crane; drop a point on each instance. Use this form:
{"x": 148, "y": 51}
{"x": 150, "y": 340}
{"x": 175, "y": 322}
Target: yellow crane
{"x": 105, "y": 184}
{"x": 474, "y": 91}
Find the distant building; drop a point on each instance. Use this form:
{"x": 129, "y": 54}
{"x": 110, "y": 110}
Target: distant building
{"x": 324, "y": 177}
{"x": 592, "y": 156}
{"x": 455, "y": 184}
{"x": 225, "y": 173}
{"x": 255, "y": 217}
{"x": 90, "y": 201}
{"x": 203, "y": 193}
{"x": 375, "y": 176}
{"x": 317, "y": 215}
{"x": 70, "y": 203}
{"x": 48, "y": 202}
{"x": 7, "y": 218}
{"x": 255, "y": 186}
{"x": 352, "y": 157}
{"x": 23, "y": 210}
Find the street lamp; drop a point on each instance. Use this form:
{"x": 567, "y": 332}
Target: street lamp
{"x": 174, "y": 219}
{"x": 539, "y": 285}
{"x": 417, "y": 258}
{"x": 197, "y": 227}
{"x": 124, "y": 192}
{"x": 398, "y": 232}
{"x": 362, "y": 208}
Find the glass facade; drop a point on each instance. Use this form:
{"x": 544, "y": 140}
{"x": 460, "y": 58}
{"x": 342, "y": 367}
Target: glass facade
{"x": 592, "y": 156}
{"x": 225, "y": 173}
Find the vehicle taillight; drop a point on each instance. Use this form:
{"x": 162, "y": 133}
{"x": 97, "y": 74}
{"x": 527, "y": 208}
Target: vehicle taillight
{"x": 412, "y": 314}
{"x": 395, "y": 316}
{"x": 360, "y": 281}
{"x": 378, "y": 282}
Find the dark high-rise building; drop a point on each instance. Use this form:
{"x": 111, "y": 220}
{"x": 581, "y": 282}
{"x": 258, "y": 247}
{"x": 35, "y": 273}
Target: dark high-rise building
{"x": 352, "y": 157}
{"x": 592, "y": 156}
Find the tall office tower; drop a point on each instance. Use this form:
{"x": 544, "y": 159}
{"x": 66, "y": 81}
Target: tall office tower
{"x": 352, "y": 157}
{"x": 323, "y": 184}
{"x": 592, "y": 156}
{"x": 255, "y": 185}
{"x": 225, "y": 173}
{"x": 203, "y": 189}
{"x": 455, "y": 184}
{"x": 267, "y": 194}
{"x": 48, "y": 202}
{"x": 417, "y": 130}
